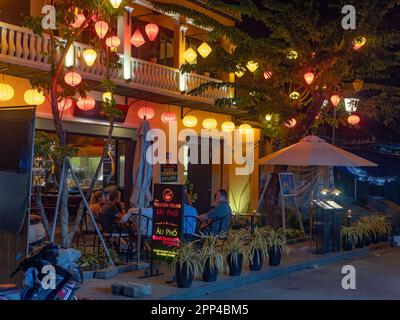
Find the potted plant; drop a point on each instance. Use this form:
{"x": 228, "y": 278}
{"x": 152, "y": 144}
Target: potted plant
{"x": 234, "y": 250}
{"x": 276, "y": 245}
{"x": 186, "y": 264}
{"x": 257, "y": 247}
{"x": 369, "y": 230}
{"x": 349, "y": 237}
{"x": 362, "y": 233}
{"x": 211, "y": 257}
{"x": 383, "y": 227}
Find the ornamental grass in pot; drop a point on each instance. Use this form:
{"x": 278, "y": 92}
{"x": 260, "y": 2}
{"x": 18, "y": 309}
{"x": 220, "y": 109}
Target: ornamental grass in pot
{"x": 257, "y": 247}
{"x": 234, "y": 250}
{"x": 186, "y": 264}
{"x": 349, "y": 237}
{"x": 382, "y": 227}
{"x": 277, "y": 245}
{"x": 211, "y": 257}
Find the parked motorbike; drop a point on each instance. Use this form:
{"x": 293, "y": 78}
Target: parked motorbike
{"x": 66, "y": 278}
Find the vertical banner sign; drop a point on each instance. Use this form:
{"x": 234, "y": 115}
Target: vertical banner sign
{"x": 167, "y": 219}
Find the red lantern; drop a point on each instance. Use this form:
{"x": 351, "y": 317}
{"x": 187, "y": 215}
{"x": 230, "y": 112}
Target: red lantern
{"x": 79, "y": 19}
{"x": 137, "y": 39}
{"x": 146, "y": 113}
{"x": 291, "y": 123}
{"x": 335, "y": 99}
{"x": 101, "y": 29}
{"x": 73, "y": 78}
{"x": 113, "y": 42}
{"x": 268, "y": 74}
{"x": 309, "y": 77}
{"x": 168, "y": 116}
{"x": 64, "y": 104}
{"x": 86, "y": 104}
{"x": 353, "y": 119}
{"x": 152, "y": 31}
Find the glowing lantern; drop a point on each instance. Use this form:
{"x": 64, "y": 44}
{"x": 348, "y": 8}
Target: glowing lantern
{"x": 268, "y": 75}
{"x": 90, "y": 56}
{"x": 79, "y": 19}
{"x": 115, "y": 3}
{"x": 292, "y": 55}
{"x": 239, "y": 73}
{"x": 113, "y": 42}
{"x": 359, "y": 42}
{"x": 137, "y": 39}
{"x": 268, "y": 117}
{"x": 107, "y": 96}
{"x": 309, "y": 77}
{"x": 335, "y": 99}
{"x": 291, "y": 123}
{"x": 245, "y": 128}
{"x": 252, "y": 66}
{"x": 6, "y": 92}
{"x": 189, "y": 121}
{"x": 190, "y": 55}
{"x": 353, "y": 119}
{"x": 168, "y": 116}
{"x": 152, "y": 31}
{"x": 294, "y": 95}
{"x": 73, "y": 78}
{"x": 64, "y": 104}
{"x": 146, "y": 113}
{"x": 228, "y": 126}
{"x": 358, "y": 85}
{"x": 204, "y": 50}
{"x": 34, "y": 97}
{"x": 86, "y": 104}
{"x": 210, "y": 124}
{"x": 101, "y": 28}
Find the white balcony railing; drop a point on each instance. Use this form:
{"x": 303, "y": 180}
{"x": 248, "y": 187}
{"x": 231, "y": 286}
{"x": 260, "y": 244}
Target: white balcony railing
{"x": 20, "y": 46}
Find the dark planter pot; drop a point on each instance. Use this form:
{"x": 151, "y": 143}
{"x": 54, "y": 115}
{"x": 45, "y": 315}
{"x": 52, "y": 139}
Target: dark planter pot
{"x": 347, "y": 245}
{"x": 384, "y": 238}
{"x": 184, "y": 279}
{"x": 360, "y": 244}
{"x": 257, "y": 262}
{"x": 367, "y": 241}
{"x": 374, "y": 238}
{"x": 275, "y": 256}
{"x": 209, "y": 274}
{"x": 235, "y": 269}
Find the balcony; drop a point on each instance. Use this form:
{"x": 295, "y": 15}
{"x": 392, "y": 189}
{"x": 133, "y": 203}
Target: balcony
{"x": 23, "y": 54}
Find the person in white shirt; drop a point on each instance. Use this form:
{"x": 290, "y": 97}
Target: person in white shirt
{"x": 190, "y": 217}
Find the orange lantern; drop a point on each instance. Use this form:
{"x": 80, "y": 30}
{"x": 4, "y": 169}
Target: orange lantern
{"x": 359, "y": 42}
{"x": 152, "y": 31}
{"x": 86, "y": 104}
{"x": 113, "y": 42}
{"x": 268, "y": 74}
{"x": 309, "y": 77}
{"x": 358, "y": 85}
{"x": 353, "y": 119}
{"x": 335, "y": 99}
{"x": 137, "y": 39}
{"x": 168, "y": 116}
{"x": 73, "y": 78}
{"x": 64, "y": 104}
{"x": 79, "y": 19}
{"x": 146, "y": 113}
{"x": 291, "y": 123}
{"x": 101, "y": 28}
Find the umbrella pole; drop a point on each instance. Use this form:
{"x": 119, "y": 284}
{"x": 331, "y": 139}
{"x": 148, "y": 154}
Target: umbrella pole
{"x": 139, "y": 235}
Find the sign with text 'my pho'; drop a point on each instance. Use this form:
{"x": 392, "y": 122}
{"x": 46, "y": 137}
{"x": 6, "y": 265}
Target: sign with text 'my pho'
{"x": 167, "y": 219}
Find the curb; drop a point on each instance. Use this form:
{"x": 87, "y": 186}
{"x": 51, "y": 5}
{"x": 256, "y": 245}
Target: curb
{"x": 109, "y": 272}
{"x": 273, "y": 272}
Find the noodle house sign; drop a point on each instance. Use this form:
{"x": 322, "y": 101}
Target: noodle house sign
{"x": 167, "y": 219}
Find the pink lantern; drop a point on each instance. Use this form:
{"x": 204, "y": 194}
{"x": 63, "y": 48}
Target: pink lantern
{"x": 335, "y": 99}
{"x": 64, "y": 104}
{"x": 101, "y": 28}
{"x": 309, "y": 77}
{"x": 152, "y": 31}
{"x": 86, "y": 104}
{"x": 291, "y": 123}
{"x": 354, "y": 119}
{"x": 268, "y": 74}
{"x": 168, "y": 116}
{"x": 79, "y": 19}
{"x": 146, "y": 113}
{"x": 73, "y": 78}
{"x": 113, "y": 42}
{"x": 137, "y": 39}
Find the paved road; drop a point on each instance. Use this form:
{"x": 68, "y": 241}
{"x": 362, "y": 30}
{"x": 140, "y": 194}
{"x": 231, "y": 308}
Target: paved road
{"x": 377, "y": 277}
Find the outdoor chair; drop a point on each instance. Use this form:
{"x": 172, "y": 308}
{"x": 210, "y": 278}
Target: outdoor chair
{"x": 207, "y": 229}
{"x": 85, "y": 231}
{"x": 145, "y": 232}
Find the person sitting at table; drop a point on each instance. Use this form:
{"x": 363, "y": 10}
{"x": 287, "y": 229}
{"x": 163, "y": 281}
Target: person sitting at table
{"x": 220, "y": 216}
{"x": 96, "y": 203}
{"x": 110, "y": 213}
{"x": 190, "y": 216}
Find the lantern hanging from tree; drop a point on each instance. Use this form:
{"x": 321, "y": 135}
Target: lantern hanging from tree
{"x": 210, "y": 123}
{"x": 168, "y": 117}
{"x": 113, "y": 42}
{"x": 190, "y": 55}
{"x": 90, "y": 56}
{"x": 268, "y": 117}
{"x": 309, "y": 77}
{"x": 152, "y": 31}
{"x": 268, "y": 74}
{"x": 359, "y": 42}
{"x": 146, "y": 113}
{"x": 204, "y": 50}
{"x": 335, "y": 99}
{"x": 358, "y": 85}
{"x": 86, "y": 104}
{"x": 353, "y": 119}
{"x": 137, "y": 38}
{"x": 101, "y": 28}
{"x": 228, "y": 126}
{"x": 240, "y": 72}
{"x": 64, "y": 104}
{"x": 189, "y": 121}
{"x": 79, "y": 19}
{"x": 6, "y": 92}
{"x": 291, "y": 123}
{"x": 73, "y": 78}
{"x": 252, "y": 66}
{"x": 294, "y": 95}
{"x": 33, "y": 97}
{"x": 292, "y": 55}
{"x": 115, "y": 3}
{"x": 107, "y": 96}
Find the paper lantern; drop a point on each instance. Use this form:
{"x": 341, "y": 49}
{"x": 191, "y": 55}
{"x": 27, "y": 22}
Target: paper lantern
{"x": 252, "y": 66}
{"x": 152, "y": 31}
{"x": 335, "y": 99}
{"x": 33, "y": 97}
{"x": 268, "y": 117}
{"x": 228, "y": 126}
{"x": 294, "y": 95}
{"x": 73, "y": 78}
{"x": 359, "y": 42}
{"x": 86, "y": 104}
{"x": 65, "y": 104}
{"x": 309, "y": 77}
{"x": 245, "y": 128}
{"x": 358, "y": 85}
{"x": 204, "y": 50}
{"x": 107, "y": 96}
{"x": 101, "y": 28}
{"x": 189, "y": 121}
{"x": 291, "y": 123}
{"x": 190, "y": 55}
{"x": 210, "y": 123}
{"x": 292, "y": 55}
{"x": 268, "y": 75}
{"x": 79, "y": 19}
{"x": 113, "y": 42}
{"x": 353, "y": 119}
{"x": 137, "y": 39}
{"x": 239, "y": 73}
{"x": 6, "y": 92}
{"x": 146, "y": 113}
{"x": 90, "y": 56}
{"x": 115, "y": 3}
{"x": 168, "y": 116}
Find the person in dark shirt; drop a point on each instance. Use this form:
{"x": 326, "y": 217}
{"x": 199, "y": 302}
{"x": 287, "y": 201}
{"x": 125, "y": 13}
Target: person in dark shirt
{"x": 111, "y": 213}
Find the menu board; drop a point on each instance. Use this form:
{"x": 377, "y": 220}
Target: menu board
{"x": 169, "y": 172}
{"x": 167, "y": 219}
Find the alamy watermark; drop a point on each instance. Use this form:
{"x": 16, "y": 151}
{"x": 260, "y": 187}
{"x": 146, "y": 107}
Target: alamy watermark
{"x": 349, "y": 280}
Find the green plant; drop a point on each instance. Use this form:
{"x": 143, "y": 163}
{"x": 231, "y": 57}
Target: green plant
{"x": 349, "y": 234}
{"x": 97, "y": 260}
{"x": 234, "y": 247}
{"x": 294, "y": 234}
{"x": 277, "y": 240}
{"x": 362, "y": 230}
{"x": 381, "y": 225}
{"x": 187, "y": 255}
{"x": 211, "y": 252}
{"x": 257, "y": 242}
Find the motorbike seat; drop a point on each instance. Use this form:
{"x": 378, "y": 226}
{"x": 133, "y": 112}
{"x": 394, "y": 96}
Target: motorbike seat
{"x": 7, "y": 288}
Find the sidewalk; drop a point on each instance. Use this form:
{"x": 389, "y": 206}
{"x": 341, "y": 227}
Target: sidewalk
{"x": 300, "y": 259}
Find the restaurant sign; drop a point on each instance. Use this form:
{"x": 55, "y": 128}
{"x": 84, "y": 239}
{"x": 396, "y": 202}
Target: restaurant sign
{"x": 167, "y": 219}
{"x": 169, "y": 172}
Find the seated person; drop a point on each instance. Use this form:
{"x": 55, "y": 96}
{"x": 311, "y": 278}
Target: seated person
{"x": 111, "y": 213}
{"x": 190, "y": 217}
{"x": 96, "y": 203}
{"x": 221, "y": 211}
{"x": 36, "y": 231}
